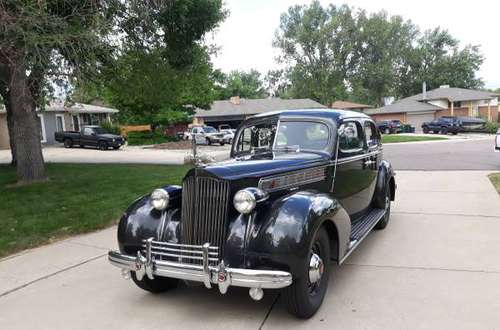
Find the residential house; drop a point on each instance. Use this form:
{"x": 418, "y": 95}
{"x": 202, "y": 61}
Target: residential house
{"x": 346, "y": 105}
{"x": 442, "y": 101}
{"x": 59, "y": 117}
{"x": 236, "y": 109}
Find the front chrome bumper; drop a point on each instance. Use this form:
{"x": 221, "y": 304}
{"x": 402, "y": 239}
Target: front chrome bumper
{"x": 224, "y": 277}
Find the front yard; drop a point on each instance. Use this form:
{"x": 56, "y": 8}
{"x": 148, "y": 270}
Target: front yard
{"x": 495, "y": 180}
{"x": 408, "y": 138}
{"x": 77, "y": 199}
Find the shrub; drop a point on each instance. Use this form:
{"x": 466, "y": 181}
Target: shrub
{"x": 492, "y": 127}
{"x": 111, "y": 128}
{"x": 148, "y": 138}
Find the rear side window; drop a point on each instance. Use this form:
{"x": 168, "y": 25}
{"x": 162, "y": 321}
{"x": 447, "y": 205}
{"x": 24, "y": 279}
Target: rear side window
{"x": 371, "y": 134}
{"x": 351, "y": 140}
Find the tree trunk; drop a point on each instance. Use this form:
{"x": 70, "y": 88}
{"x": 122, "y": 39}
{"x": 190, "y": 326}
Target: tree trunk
{"x": 25, "y": 129}
{"x": 10, "y": 128}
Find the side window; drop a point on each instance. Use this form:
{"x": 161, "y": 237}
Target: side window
{"x": 371, "y": 134}
{"x": 87, "y": 131}
{"x": 351, "y": 140}
{"x": 194, "y": 131}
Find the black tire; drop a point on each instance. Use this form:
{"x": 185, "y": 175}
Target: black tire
{"x": 82, "y": 145}
{"x": 103, "y": 145}
{"x": 303, "y": 298}
{"x": 209, "y": 142}
{"x": 454, "y": 133}
{"x": 425, "y": 129}
{"x": 222, "y": 144}
{"x": 158, "y": 285}
{"x": 68, "y": 143}
{"x": 387, "y": 131}
{"x": 444, "y": 131}
{"x": 387, "y": 206}
{"x": 116, "y": 147}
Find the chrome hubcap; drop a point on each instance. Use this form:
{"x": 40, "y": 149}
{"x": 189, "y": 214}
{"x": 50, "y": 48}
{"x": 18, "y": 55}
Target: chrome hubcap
{"x": 316, "y": 268}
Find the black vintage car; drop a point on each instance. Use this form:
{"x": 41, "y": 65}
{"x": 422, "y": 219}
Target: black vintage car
{"x": 302, "y": 188}
{"x": 92, "y": 136}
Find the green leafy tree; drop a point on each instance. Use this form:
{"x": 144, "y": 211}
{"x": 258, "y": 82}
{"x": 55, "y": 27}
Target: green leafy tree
{"x": 248, "y": 85}
{"x": 42, "y": 41}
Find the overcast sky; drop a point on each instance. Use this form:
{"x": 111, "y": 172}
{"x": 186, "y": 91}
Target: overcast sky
{"x": 245, "y": 37}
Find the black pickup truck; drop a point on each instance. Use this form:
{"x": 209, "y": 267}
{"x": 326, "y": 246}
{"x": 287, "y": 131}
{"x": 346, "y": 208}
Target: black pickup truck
{"x": 93, "y": 136}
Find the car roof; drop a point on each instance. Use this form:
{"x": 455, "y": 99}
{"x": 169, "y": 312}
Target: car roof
{"x": 333, "y": 114}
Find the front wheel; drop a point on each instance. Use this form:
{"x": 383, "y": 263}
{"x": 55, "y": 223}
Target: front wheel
{"x": 444, "y": 131}
{"x": 222, "y": 143}
{"x": 425, "y": 130}
{"x": 157, "y": 285}
{"x": 103, "y": 145}
{"x": 116, "y": 147}
{"x": 304, "y": 297}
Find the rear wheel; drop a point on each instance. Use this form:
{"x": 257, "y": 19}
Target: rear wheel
{"x": 304, "y": 297}
{"x": 444, "y": 130}
{"x": 425, "y": 129}
{"x": 387, "y": 207}
{"x": 157, "y": 285}
{"x": 68, "y": 143}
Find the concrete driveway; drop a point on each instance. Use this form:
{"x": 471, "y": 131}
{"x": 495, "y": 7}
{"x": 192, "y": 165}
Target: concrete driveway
{"x": 436, "y": 266}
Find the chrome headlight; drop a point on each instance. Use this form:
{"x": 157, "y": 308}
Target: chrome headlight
{"x": 160, "y": 199}
{"x": 245, "y": 200}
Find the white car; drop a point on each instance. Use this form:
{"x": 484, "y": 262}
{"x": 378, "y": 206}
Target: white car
{"x": 497, "y": 141}
{"x": 228, "y": 135}
{"x": 204, "y": 135}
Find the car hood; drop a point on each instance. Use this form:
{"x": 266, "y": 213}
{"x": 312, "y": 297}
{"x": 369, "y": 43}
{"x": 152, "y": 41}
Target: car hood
{"x": 110, "y": 136}
{"x": 265, "y": 164}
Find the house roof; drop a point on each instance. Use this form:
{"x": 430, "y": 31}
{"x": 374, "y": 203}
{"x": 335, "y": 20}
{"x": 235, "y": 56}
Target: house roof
{"x": 75, "y": 108}
{"x": 455, "y": 94}
{"x": 416, "y": 103}
{"x": 404, "y": 105}
{"x": 349, "y": 105}
{"x": 255, "y": 106}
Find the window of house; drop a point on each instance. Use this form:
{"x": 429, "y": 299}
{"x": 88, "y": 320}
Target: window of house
{"x": 457, "y": 104}
{"x": 59, "y": 123}
{"x": 351, "y": 140}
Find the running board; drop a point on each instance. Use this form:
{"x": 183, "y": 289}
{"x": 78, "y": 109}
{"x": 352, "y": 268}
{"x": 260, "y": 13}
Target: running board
{"x": 361, "y": 228}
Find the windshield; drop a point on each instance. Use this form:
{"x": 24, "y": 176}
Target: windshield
{"x": 290, "y": 136}
{"x": 209, "y": 129}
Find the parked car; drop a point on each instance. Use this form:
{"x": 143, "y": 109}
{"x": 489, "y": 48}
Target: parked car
{"x": 497, "y": 141}
{"x": 303, "y": 188}
{"x": 207, "y": 134}
{"x": 228, "y": 134}
{"x": 93, "y": 136}
{"x": 390, "y": 126}
{"x": 443, "y": 125}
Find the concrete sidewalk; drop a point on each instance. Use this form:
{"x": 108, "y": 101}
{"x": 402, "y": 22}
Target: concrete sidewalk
{"x": 435, "y": 266}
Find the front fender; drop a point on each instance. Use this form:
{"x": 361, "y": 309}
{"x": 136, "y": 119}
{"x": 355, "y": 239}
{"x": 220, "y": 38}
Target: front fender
{"x": 282, "y": 238}
{"x": 142, "y": 220}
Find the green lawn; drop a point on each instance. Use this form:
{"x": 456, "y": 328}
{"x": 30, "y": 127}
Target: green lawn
{"x": 495, "y": 180}
{"x": 407, "y": 138}
{"x": 77, "y": 199}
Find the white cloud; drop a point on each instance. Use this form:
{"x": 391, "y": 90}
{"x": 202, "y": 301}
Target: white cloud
{"x": 246, "y": 36}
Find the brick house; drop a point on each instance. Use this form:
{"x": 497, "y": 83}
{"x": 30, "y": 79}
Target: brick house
{"x": 443, "y": 101}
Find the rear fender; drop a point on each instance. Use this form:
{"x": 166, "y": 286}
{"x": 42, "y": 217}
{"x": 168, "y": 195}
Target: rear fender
{"x": 385, "y": 180}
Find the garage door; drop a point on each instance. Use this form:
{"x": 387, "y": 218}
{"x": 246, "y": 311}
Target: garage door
{"x": 417, "y": 119}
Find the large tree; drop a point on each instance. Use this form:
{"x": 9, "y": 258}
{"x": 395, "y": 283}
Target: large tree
{"x": 42, "y": 41}
{"x": 337, "y": 52}
{"x": 248, "y": 85}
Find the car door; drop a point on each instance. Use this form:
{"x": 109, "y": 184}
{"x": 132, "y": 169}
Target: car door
{"x": 88, "y": 137}
{"x": 353, "y": 175}
{"x": 373, "y": 151}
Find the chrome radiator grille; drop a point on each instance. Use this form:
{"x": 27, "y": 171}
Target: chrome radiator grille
{"x": 182, "y": 253}
{"x": 204, "y": 211}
